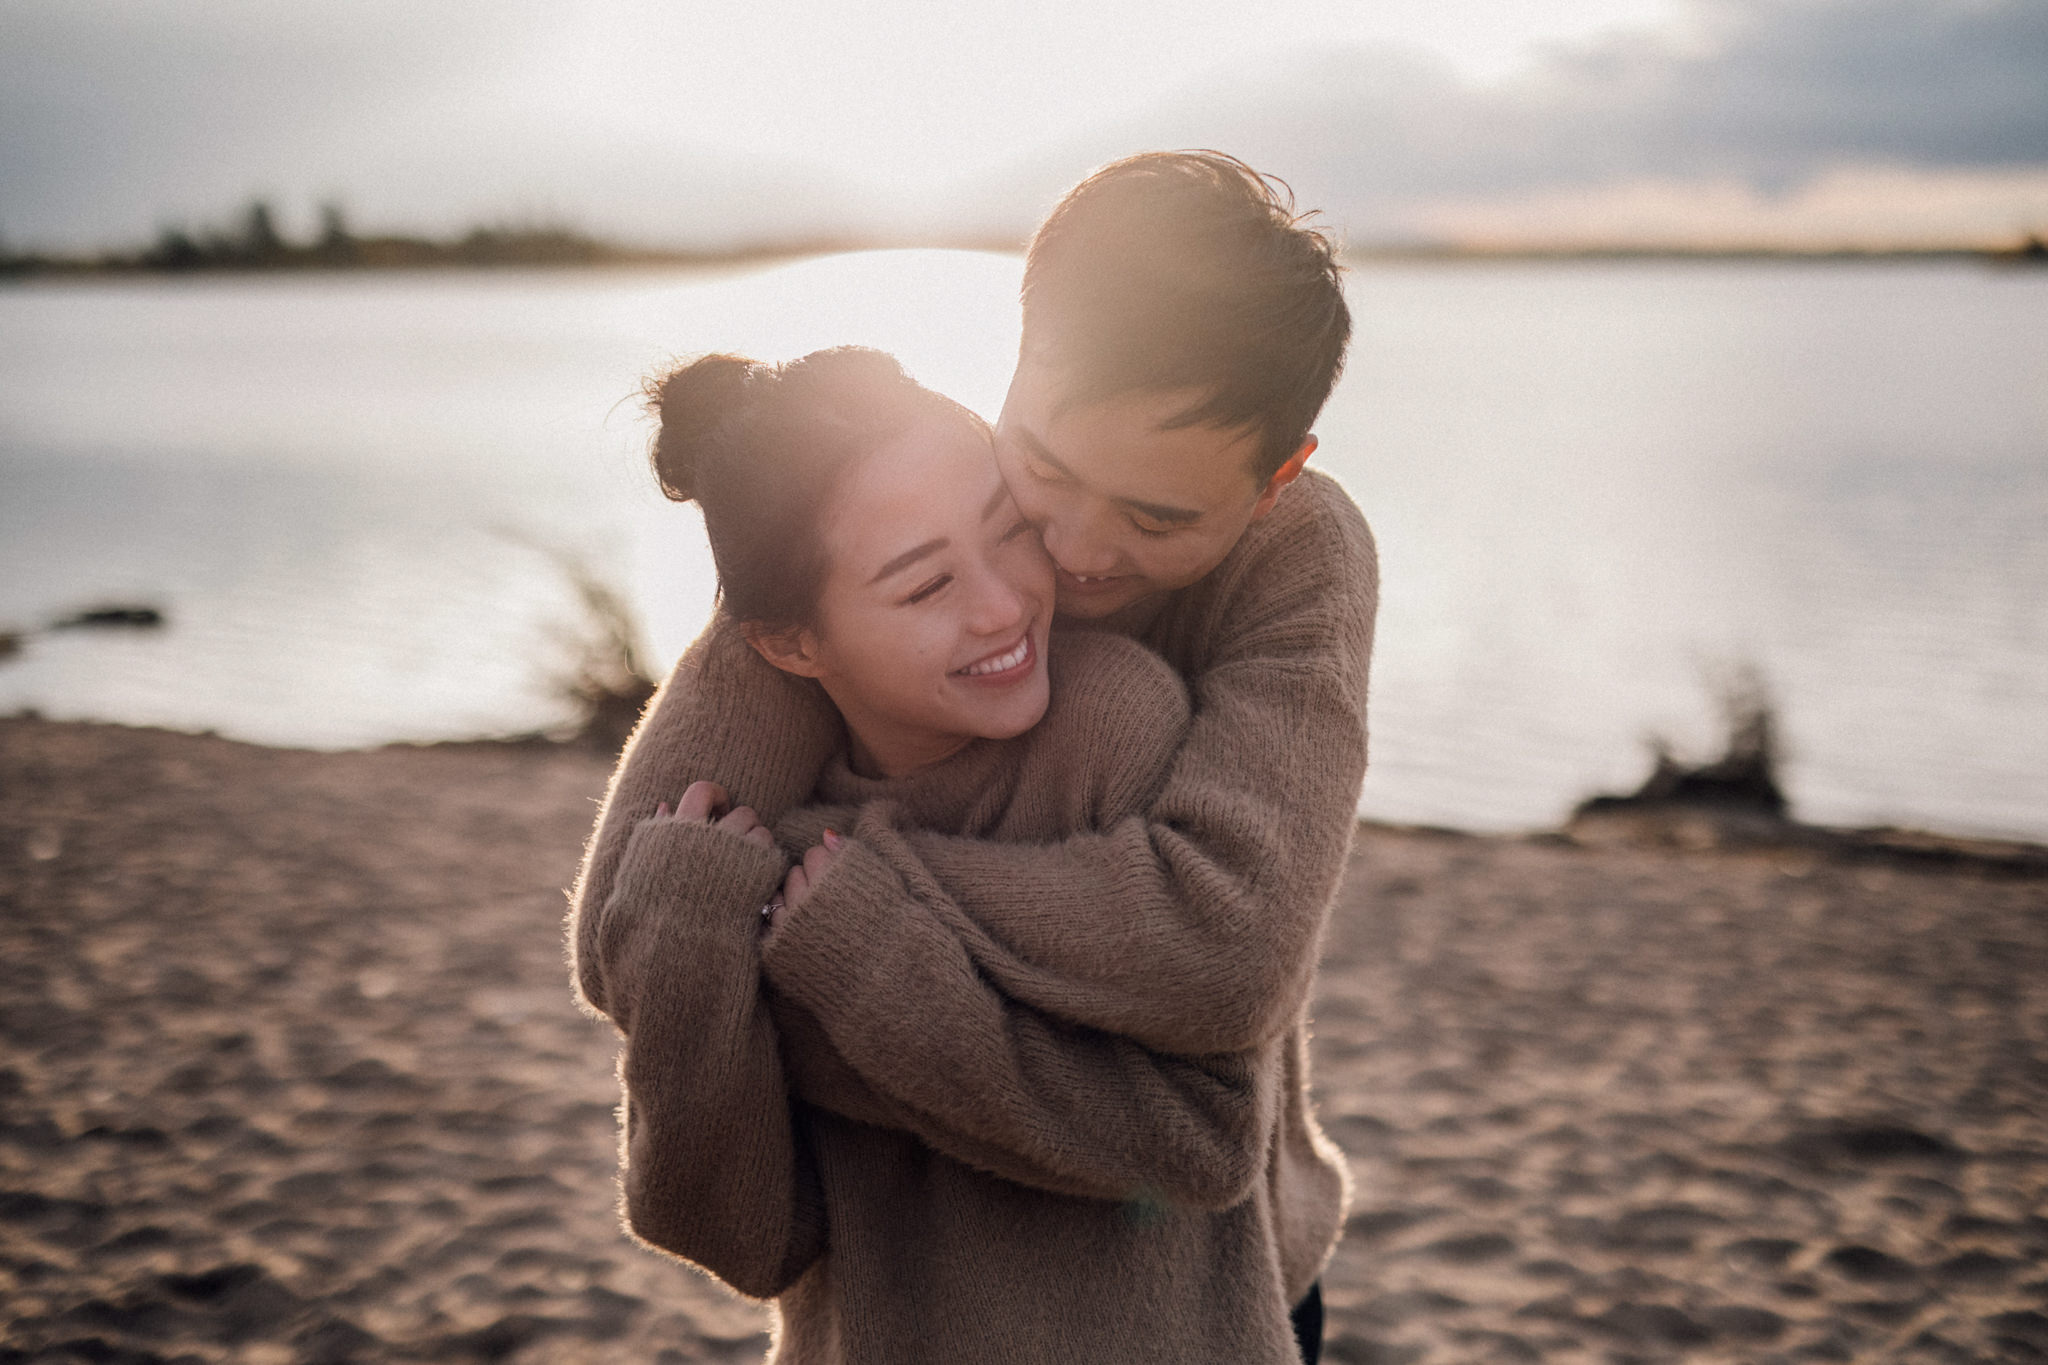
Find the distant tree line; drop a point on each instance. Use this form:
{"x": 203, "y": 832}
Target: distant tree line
{"x": 254, "y": 241}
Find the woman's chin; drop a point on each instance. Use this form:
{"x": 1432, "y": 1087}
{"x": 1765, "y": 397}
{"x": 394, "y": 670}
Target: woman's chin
{"x": 1018, "y": 714}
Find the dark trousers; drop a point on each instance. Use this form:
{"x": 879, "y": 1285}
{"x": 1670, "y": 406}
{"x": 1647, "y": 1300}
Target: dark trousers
{"x": 1308, "y": 1324}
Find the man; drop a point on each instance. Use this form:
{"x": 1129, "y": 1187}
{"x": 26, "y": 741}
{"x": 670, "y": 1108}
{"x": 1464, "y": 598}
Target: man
{"x": 1182, "y": 330}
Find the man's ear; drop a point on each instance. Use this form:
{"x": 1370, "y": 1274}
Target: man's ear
{"x": 793, "y": 649}
{"x": 1284, "y": 475}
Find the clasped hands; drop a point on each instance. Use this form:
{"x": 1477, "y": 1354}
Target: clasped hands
{"x": 709, "y": 803}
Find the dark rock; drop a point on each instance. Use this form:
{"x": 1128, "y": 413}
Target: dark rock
{"x": 112, "y": 617}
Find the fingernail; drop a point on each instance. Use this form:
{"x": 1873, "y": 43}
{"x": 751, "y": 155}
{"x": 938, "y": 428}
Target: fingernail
{"x": 833, "y": 841}
{"x": 661, "y": 809}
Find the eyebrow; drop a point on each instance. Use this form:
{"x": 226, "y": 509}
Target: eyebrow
{"x": 917, "y": 552}
{"x": 1158, "y": 511}
{"x": 908, "y": 558}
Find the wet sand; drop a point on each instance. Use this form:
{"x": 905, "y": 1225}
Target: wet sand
{"x": 290, "y": 1072}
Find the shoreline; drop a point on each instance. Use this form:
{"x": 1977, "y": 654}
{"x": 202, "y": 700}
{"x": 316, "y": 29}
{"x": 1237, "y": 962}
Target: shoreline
{"x": 437, "y": 260}
{"x": 292, "y": 1073}
{"x": 1619, "y": 821}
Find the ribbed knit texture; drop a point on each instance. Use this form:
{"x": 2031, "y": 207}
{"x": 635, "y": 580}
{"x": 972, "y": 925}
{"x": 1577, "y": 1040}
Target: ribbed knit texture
{"x": 993, "y": 1000}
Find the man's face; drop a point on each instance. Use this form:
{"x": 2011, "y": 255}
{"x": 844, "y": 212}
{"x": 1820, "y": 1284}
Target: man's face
{"x": 1128, "y": 508}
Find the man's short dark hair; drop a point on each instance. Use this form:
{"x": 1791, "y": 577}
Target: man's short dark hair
{"x": 1191, "y": 270}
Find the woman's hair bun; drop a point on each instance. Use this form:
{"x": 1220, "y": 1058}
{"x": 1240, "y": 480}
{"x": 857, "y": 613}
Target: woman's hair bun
{"x": 695, "y": 404}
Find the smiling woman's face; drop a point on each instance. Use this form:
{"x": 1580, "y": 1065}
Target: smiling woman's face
{"x": 931, "y": 623}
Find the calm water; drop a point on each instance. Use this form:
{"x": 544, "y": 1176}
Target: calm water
{"x": 1596, "y": 489}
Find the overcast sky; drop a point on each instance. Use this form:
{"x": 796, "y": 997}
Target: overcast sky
{"x": 711, "y": 122}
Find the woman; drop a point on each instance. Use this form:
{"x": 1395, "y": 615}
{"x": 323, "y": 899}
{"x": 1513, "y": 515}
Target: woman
{"x": 915, "y": 1164}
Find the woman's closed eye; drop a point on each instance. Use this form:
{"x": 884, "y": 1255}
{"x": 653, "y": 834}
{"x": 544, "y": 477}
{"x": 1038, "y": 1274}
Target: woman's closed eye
{"x": 926, "y": 589}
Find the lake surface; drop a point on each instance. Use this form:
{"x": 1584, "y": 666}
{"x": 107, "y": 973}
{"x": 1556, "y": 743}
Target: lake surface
{"x": 1597, "y": 489}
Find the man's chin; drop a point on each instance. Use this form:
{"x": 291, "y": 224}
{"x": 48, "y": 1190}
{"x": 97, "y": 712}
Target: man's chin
{"x": 1073, "y": 605}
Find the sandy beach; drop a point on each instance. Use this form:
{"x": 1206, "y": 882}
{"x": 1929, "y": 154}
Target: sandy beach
{"x": 291, "y": 1072}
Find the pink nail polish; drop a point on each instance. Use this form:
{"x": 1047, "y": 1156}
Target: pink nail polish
{"x": 833, "y": 841}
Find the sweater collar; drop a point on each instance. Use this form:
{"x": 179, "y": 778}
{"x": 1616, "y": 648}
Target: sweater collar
{"x": 937, "y": 797}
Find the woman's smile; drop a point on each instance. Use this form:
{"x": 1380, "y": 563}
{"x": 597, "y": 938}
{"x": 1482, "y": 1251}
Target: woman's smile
{"x": 1011, "y": 664}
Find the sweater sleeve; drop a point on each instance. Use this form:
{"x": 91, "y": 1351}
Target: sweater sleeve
{"x": 931, "y": 1048}
{"x": 1192, "y": 925}
{"x": 724, "y": 715}
{"x": 716, "y": 1166}
{"x": 888, "y": 1018}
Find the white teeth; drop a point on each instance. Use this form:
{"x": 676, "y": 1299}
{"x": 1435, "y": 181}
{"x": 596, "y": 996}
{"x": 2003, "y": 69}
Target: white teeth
{"x": 1001, "y": 662}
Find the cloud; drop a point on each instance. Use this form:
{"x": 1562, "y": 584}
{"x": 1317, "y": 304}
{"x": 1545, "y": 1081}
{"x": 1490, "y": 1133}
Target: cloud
{"x": 124, "y": 114}
{"x": 1790, "y": 88}
{"x": 1764, "y": 101}
{"x": 632, "y": 117}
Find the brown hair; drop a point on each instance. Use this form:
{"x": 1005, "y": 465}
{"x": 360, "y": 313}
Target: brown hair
{"x": 760, "y": 448}
{"x": 1191, "y": 270}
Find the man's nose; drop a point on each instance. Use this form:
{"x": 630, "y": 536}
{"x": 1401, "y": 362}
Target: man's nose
{"x": 1076, "y": 545}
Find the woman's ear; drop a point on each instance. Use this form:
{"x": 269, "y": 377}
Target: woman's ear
{"x": 793, "y": 649}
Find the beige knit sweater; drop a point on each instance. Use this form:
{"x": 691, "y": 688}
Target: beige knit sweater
{"x": 981, "y": 1183}
{"x": 1220, "y": 879}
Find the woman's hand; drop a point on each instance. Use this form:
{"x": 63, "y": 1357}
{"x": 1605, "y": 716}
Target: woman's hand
{"x": 705, "y": 802}
{"x": 817, "y": 861}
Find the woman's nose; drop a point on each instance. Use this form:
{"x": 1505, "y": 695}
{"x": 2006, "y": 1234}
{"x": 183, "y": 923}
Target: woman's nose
{"x": 998, "y": 605}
